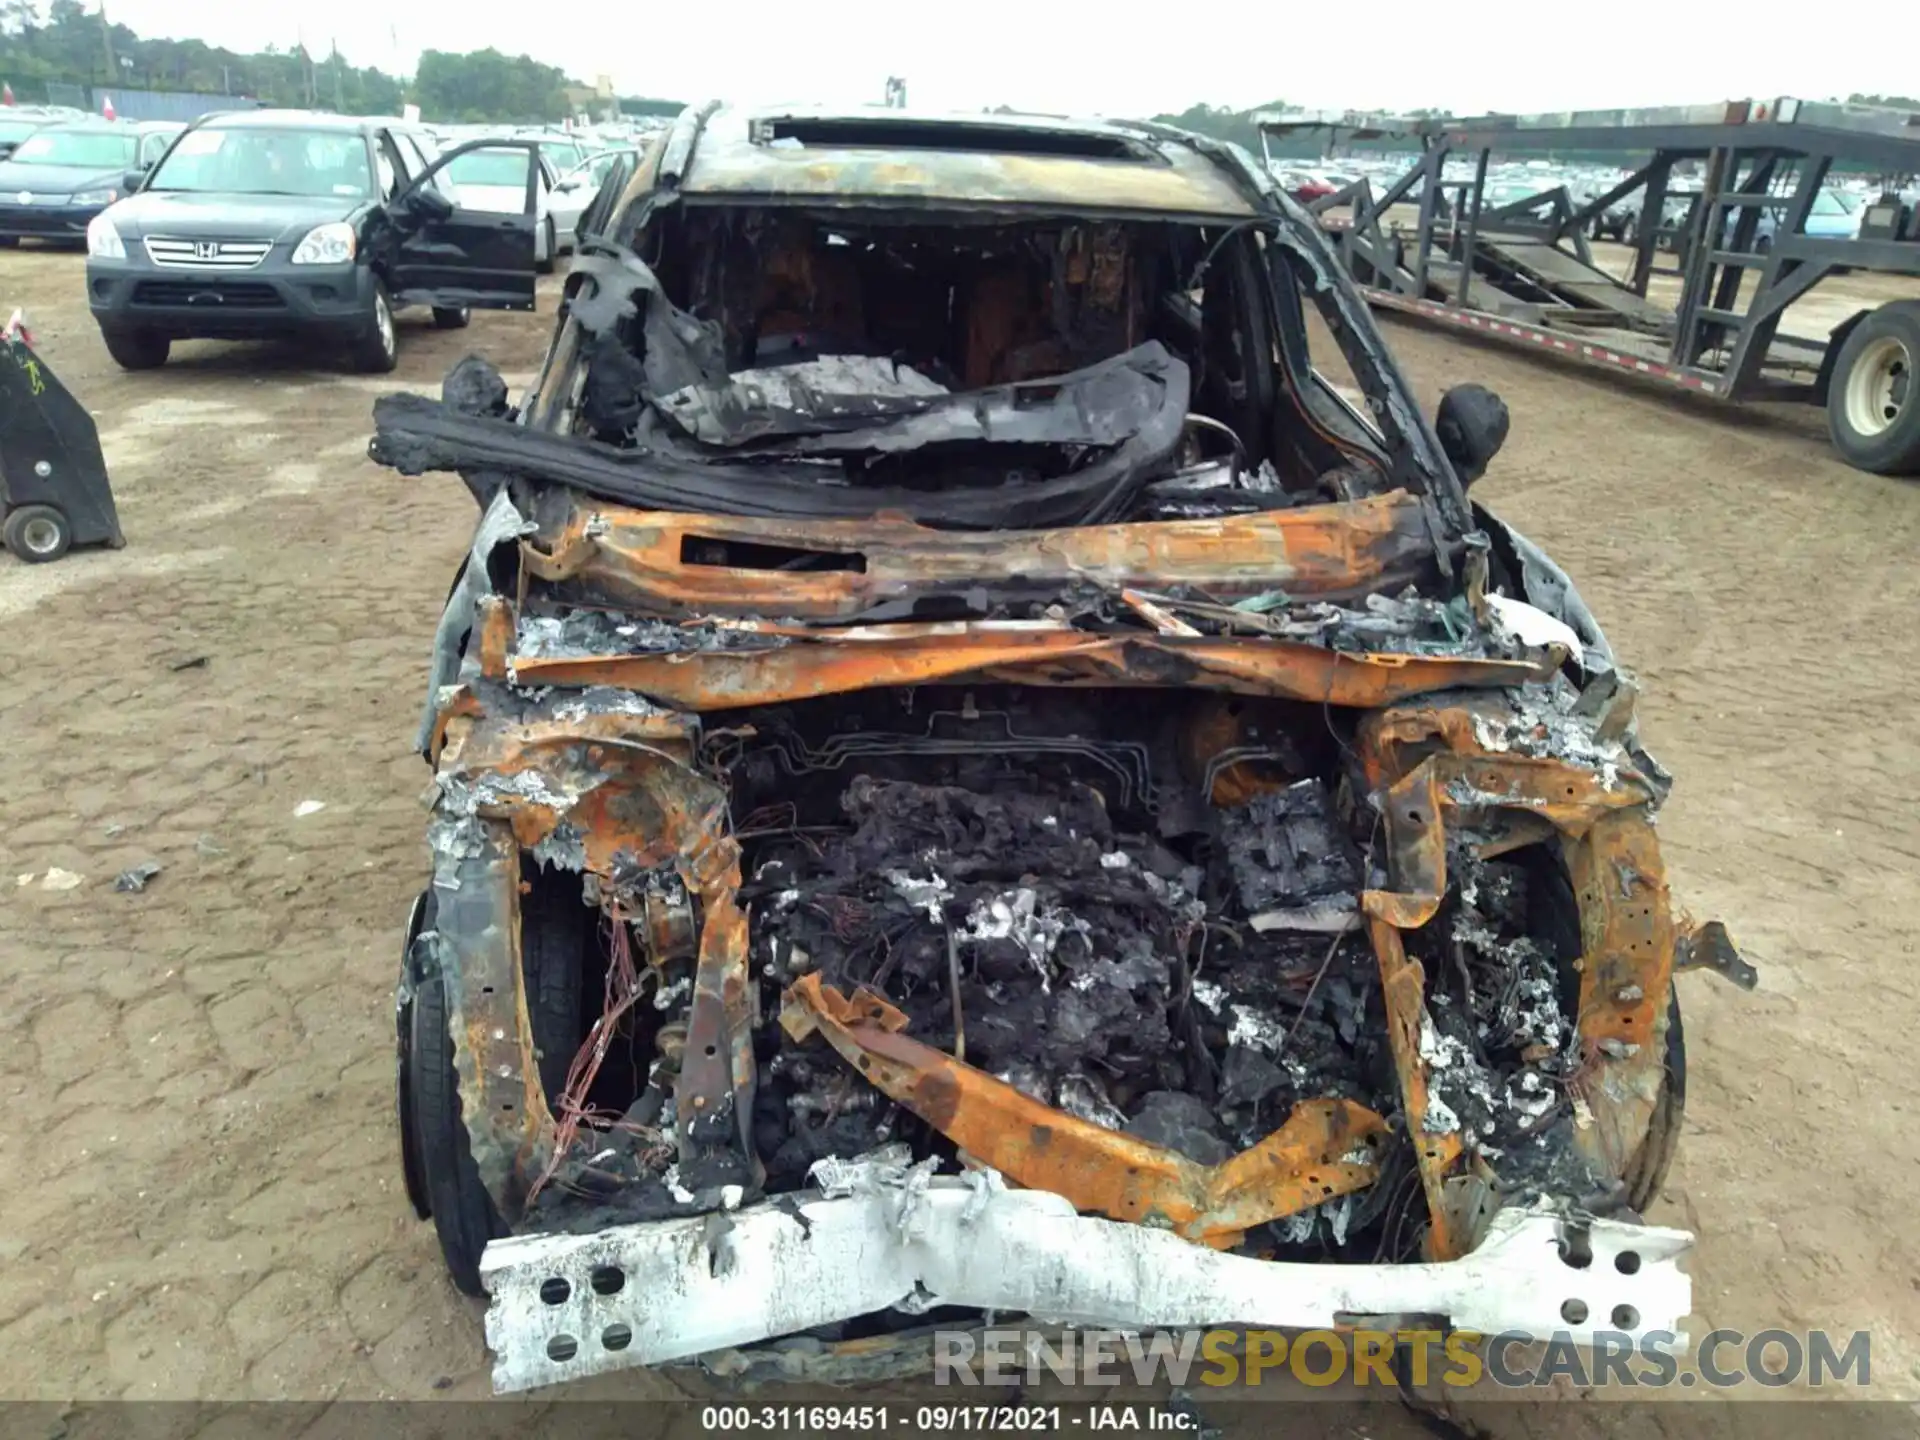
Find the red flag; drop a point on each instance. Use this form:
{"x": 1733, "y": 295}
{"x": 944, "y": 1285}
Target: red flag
{"x": 6, "y": 94}
{"x": 106, "y": 108}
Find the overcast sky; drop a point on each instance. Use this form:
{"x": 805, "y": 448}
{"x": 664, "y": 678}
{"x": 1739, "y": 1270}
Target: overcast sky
{"x": 1133, "y": 59}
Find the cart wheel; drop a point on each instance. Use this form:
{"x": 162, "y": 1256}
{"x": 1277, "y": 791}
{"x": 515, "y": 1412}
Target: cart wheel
{"x": 38, "y": 533}
{"x": 451, "y": 317}
{"x": 137, "y": 349}
{"x": 1873, "y": 406}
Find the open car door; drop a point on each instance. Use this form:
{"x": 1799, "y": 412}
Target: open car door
{"x": 457, "y": 240}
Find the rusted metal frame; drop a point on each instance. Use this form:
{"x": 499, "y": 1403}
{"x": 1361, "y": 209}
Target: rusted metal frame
{"x": 1627, "y": 932}
{"x": 636, "y": 556}
{"x": 510, "y": 1130}
{"x": 1417, "y": 870}
{"x": 700, "y": 680}
{"x": 623, "y": 786}
{"x": 1325, "y": 1148}
{"x": 1626, "y": 966}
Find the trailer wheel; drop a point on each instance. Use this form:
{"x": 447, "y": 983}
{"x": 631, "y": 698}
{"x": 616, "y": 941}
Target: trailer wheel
{"x": 38, "y": 533}
{"x": 137, "y": 349}
{"x": 1873, "y": 405}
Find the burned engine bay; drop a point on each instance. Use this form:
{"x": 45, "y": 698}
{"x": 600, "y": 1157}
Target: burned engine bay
{"x": 1051, "y": 897}
{"x": 929, "y": 699}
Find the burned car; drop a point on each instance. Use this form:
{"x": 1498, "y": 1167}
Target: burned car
{"x": 970, "y": 777}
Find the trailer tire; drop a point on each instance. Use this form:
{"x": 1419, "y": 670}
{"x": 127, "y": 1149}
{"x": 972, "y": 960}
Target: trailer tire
{"x": 1873, "y": 398}
{"x": 137, "y": 349}
{"x": 38, "y": 534}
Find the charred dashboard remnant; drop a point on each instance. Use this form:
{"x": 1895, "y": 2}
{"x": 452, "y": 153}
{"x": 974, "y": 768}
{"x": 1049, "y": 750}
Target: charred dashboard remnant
{"x": 970, "y": 778}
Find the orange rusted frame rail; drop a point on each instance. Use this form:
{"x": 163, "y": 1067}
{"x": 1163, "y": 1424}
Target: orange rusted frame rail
{"x": 643, "y": 558}
{"x": 1431, "y": 763}
{"x": 1326, "y": 1147}
{"x": 623, "y": 785}
{"x": 720, "y": 679}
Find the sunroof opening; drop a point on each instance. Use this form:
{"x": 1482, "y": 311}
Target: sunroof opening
{"x": 876, "y": 133}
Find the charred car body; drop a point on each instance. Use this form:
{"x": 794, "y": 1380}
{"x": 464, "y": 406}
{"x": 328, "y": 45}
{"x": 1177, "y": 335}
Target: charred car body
{"x": 970, "y": 778}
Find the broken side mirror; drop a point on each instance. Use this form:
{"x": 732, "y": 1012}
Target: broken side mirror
{"x": 1472, "y": 426}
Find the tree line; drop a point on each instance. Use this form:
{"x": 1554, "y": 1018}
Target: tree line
{"x": 68, "y": 45}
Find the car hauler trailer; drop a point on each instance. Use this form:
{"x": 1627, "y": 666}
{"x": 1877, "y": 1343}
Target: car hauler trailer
{"x": 1525, "y": 272}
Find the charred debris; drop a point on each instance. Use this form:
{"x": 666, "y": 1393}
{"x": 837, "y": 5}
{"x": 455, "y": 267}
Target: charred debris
{"x": 950, "y": 686}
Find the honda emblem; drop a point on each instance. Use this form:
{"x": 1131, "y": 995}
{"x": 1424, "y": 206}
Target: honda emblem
{"x": 206, "y": 249}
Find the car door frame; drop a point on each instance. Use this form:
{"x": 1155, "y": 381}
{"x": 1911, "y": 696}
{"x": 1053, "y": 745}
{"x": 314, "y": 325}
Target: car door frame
{"x": 414, "y": 259}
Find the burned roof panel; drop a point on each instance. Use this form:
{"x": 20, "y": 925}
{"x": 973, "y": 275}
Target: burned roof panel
{"x": 999, "y": 161}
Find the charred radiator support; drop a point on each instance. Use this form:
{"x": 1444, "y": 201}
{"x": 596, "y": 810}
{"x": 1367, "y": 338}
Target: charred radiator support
{"x": 1325, "y": 1148}
{"x": 1438, "y": 764}
{"x": 644, "y": 559}
{"x": 840, "y": 661}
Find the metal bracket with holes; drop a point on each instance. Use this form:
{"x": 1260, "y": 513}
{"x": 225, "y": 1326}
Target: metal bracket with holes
{"x": 564, "y": 1306}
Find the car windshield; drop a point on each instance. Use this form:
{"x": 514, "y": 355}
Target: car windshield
{"x": 13, "y": 130}
{"x": 95, "y": 149}
{"x": 251, "y": 160}
{"x": 490, "y": 167}
{"x": 1832, "y": 202}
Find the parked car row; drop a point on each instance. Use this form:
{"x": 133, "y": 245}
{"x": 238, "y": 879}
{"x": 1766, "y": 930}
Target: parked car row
{"x": 62, "y": 174}
{"x": 267, "y": 223}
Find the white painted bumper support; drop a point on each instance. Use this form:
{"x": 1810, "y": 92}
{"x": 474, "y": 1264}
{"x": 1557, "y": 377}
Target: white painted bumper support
{"x": 645, "y": 1294}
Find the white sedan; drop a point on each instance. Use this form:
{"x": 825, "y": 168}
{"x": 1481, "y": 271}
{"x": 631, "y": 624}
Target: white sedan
{"x": 574, "y": 191}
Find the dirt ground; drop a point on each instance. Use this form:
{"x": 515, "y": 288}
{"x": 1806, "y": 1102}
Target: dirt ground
{"x": 203, "y": 1195}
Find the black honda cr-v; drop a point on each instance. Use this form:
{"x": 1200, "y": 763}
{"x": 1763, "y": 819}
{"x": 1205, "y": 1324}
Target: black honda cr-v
{"x": 275, "y": 223}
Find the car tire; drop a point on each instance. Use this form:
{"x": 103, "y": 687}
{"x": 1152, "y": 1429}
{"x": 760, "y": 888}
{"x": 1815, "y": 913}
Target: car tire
{"x": 1873, "y": 397}
{"x": 377, "y": 351}
{"x": 1648, "y": 1170}
{"x": 463, "y": 1213}
{"x": 436, "y": 1153}
{"x": 545, "y": 266}
{"x": 38, "y": 534}
{"x": 137, "y": 349}
{"x": 451, "y": 317}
